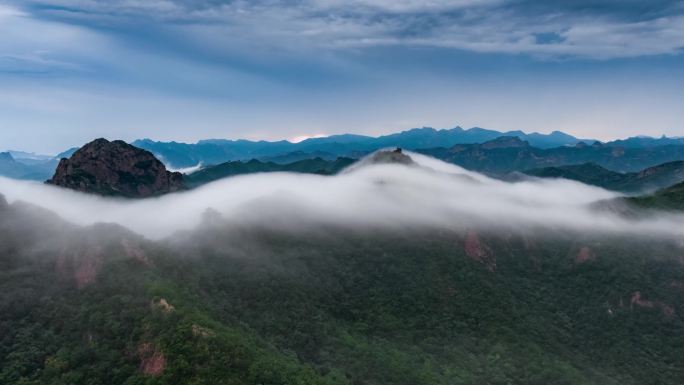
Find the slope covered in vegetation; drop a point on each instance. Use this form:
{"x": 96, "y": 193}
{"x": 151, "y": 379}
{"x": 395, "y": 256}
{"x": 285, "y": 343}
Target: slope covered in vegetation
{"x": 308, "y": 166}
{"x": 249, "y": 305}
{"x": 644, "y": 181}
{"x": 671, "y": 198}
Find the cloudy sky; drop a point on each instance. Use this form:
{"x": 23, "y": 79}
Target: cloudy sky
{"x": 73, "y": 70}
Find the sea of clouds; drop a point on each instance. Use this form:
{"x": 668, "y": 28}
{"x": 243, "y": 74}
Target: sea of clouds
{"x": 429, "y": 193}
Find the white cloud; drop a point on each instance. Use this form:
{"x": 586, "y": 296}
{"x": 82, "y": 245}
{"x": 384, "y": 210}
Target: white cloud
{"x": 435, "y": 194}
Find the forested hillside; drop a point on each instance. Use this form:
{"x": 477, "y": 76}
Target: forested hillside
{"x": 227, "y": 304}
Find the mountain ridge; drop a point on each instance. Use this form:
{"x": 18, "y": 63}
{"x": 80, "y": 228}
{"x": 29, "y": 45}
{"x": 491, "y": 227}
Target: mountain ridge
{"x": 644, "y": 181}
{"x": 207, "y": 152}
{"x": 213, "y": 151}
{"x": 503, "y": 159}
{"x": 18, "y": 169}
{"x": 308, "y": 166}
{"x": 667, "y": 199}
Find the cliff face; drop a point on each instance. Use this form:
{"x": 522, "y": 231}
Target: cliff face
{"x": 116, "y": 169}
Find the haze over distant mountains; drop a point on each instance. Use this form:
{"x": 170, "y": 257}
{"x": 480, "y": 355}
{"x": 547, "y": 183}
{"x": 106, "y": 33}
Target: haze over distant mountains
{"x": 181, "y": 155}
{"x": 26, "y": 168}
{"x": 478, "y": 149}
{"x": 219, "y": 150}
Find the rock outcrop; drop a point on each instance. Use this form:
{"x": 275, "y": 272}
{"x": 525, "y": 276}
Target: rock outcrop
{"x": 585, "y": 254}
{"x": 476, "y": 250}
{"x": 152, "y": 360}
{"x": 396, "y": 156}
{"x": 116, "y": 169}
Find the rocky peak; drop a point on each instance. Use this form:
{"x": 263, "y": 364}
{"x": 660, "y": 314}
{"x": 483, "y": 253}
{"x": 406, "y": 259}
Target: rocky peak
{"x": 116, "y": 169}
{"x": 395, "y": 156}
{"x": 391, "y": 156}
{"x": 505, "y": 142}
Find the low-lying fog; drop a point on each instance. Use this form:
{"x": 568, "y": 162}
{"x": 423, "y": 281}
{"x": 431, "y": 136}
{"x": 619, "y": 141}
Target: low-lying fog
{"x": 434, "y": 193}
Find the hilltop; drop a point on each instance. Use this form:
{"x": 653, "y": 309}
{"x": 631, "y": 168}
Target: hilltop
{"x": 115, "y": 169}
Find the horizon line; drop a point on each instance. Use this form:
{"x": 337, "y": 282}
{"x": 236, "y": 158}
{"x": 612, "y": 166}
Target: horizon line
{"x": 303, "y": 138}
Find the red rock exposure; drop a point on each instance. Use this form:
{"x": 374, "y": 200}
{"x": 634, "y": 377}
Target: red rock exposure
{"x": 136, "y": 252}
{"x": 163, "y": 305}
{"x": 584, "y": 255}
{"x": 116, "y": 169}
{"x": 152, "y": 361}
{"x": 479, "y": 252}
{"x": 87, "y": 269}
{"x": 199, "y": 331}
{"x": 62, "y": 266}
{"x": 637, "y": 300}
{"x": 81, "y": 266}
{"x": 667, "y": 310}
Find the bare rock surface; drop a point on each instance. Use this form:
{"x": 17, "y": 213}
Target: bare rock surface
{"x": 116, "y": 169}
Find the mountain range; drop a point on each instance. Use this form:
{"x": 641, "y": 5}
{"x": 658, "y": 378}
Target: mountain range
{"x": 26, "y": 168}
{"x": 507, "y": 154}
{"x": 614, "y": 165}
{"x": 216, "y": 151}
{"x": 119, "y": 169}
{"x": 644, "y": 181}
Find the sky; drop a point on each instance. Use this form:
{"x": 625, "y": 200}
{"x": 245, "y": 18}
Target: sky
{"x": 72, "y": 71}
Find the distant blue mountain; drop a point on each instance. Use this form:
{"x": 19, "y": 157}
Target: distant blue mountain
{"x": 26, "y": 168}
{"x": 30, "y": 166}
{"x": 176, "y": 155}
{"x": 66, "y": 154}
{"x": 216, "y": 151}
{"x": 29, "y": 157}
{"x": 646, "y": 141}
